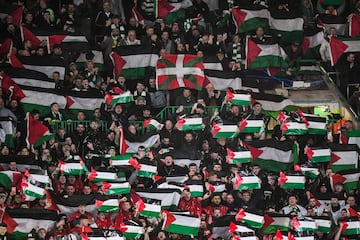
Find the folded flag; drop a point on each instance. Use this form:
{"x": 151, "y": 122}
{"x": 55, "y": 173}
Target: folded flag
{"x": 186, "y": 124}
{"x": 343, "y": 156}
{"x": 125, "y": 97}
{"x": 350, "y": 228}
{"x": 238, "y": 157}
{"x": 72, "y": 168}
{"x": 351, "y": 178}
{"x": 316, "y": 124}
{"x": 174, "y": 71}
{"x": 181, "y": 224}
{"x": 273, "y": 222}
{"x": 131, "y": 231}
{"x": 121, "y": 160}
{"x": 9, "y": 179}
{"x": 291, "y": 182}
{"x": 10, "y": 87}
{"x": 338, "y": 47}
{"x": 247, "y": 182}
{"x": 323, "y": 224}
{"x": 251, "y": 219}
{"x": 169, "y": 197}
{"x": 147, "y": 171}
{"x": 150, "y": 210}
{"x": 224, "y": 131}
{"x": 17, "y": 16}
{"x": 272, "y": 155}
{"x": 293, "y": 128}
{"x": 36, "y": 132}
{"x": 318, "y": 155}
{"x": 116, "y": 188}
{"x": 262, "y": 56}
{"x": 354, "y": 137}
{"x": 110, "y": 205}
{"x": 96, "y": 176}
{"x": 309, "y": 172}
{"x": 153, "y": 124}
{"x": 249, "y": 18}
{"x": 251, "y": 126}
{"x": 354, "y": 25}
{"x": 238, "y": 99}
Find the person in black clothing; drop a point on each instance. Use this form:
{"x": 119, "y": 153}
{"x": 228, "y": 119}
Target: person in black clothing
{"x": 77, "y": 138}
{"x": 349, "y": 72}
{"x": 103, "y": 20}
{"x": 4, "y": 232}
{"x": 170, "y": 169}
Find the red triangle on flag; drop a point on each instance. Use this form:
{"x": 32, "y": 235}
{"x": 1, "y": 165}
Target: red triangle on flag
{"x": 98, "y": 203}
{"x": 344, "y": 227}
{"x": 281, "y": 117}
{"x": 180, "y": 123}
{"x": 140, "y": 205}
{"x": 11, "y": 88}
{"x": 6, "y": 46}
{"x": 164, "y": 8}
{"x": 35, "y": 130}
{"x": 283, "y": 179}
{"x": 92, "y": 174}
{"x": 255, "y": 152}
{"x": 26, "y": 34}
{"x": 122, "y": 143}
{"x": 229, "y": 95}
{"x": 337, "y": 178}
{"x": 354, "y": 26}
{"x": 15, "y": 62}
{"x": 278, "y": 235}
{"x": 353, "y": 213}
{"x": 302, "y": 117}
{"x": 123, "y": 227}
{"x": 297, "y": 168}
{"x": 69, "y": 101}
{"x": 239, "y": 17}
{"x": 84, "y": 237}
{"x": 290, "y": 236}
{"x": 215, "y": 129}
{"x": 268, "y": 220}
{"x": 205, "y": 173}
{"x": 27, "y": 173}
{"x": 50, "y": 203}
{"x": 334, "y": 158}
{"x": 146, "y": 123}
{"x": 230, "y": 155}
{"x": 157, "y": 178}
{"x": 337, "y": 48}
{"x": 284, "y": 126}
{"x": 17, "y": 16}
{"x": 238, "y": 180}
{"x": 24, "y": 183}
{"x": 53, "y": 40}
{"x": 240, "y": 215}
{"x": 295, "y": 222}
{"x": 211, "y": 188}
{"x": 118, "y": 63}
{"x": 305, "y": 44}
{"x": 169, "y": 218}
{"x": 253, "y": 51}
{"x": 10, "y": 222}
{"x": 309, "y": 153}
{"x": 106, "y": 186}
{"x": 232, "y": 227}
{"x": 134, "y": 163}
{"x": 243, "y": 124}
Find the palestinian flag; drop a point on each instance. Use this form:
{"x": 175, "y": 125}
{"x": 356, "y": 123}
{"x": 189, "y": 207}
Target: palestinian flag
{"x": 309, "y": 172}
{"x": 196, "y": 190}
{"x": 132, "y": 147}
{"x": 85, "y": 101}
{"x": 72, "y": 168}
{"x": 152, "y": 124}
{"x": 77, "y": 43}
{"x": 291, "y": 182}
{"x": 247, "y": 182}
{"x": 217, "y": 188}
{"x": 125, "y": 97}
{"x": 44, "y": 64}
{"x": 350, "y": 228}
{"x": 262, "y": 56}
{"x": 6, "y": 46}
{"x": 338, "y": 47}
{"x": 31, "y": 191}
{"x": 354, "y": 137}
{"x": 135, "y": 62}
{"x": 238, "y": 99}
{"x": 272, "y": 102}
{"x": 312, "y": 40}
{"x": 31, "y": 78}
{"x": 328, "y": 21}
{"x": 274, "y": 221}
{"x": 323, "y": 224}
{"x": 9, "y": 179}
{"x": 251, "y": 126}
{"x": 343, "y": 157}
{"x": 110, "y": 205}
{"x": 171, "y": 11}
{"x": 17, "y": 16}
{"x": 293, "y": 128}
{"x": 38, "y": 177}
{"x": 8, "y": 126}
{"x": 96, "y": 176}
{"x": 179, "y": 70}
{"x": 180, "y": 224}
{"x": 186, "y": 124}
{"x": 121, "y": 160}
{"x": 272, "y": 155}
{"x": 318, "y": 155}
{"x": 224, "y": 131}
{"x": 147, "y": 171}
{"x": 31, "y": 219}
{"x": 238, "y": 157}
{"x": 316, "y": 124}
{"x": 116, "y": 188}
{"x": 36, "y": 132}
{"x": 131, "y": 231}
{"x": 223, "y": 80}
{"x": 212, "y": 63}
{"x": 351, "y": 178}
{"x": 233, "y": 228}
{"x": 354, "y": 25}
{"x": 251, "y": 219}
{"x": 288, "y": 25}
{"x": 97, "y": 59}
{"x": 249, "y": 18}
{"x": 149, "y": 210}
{"x": 302, "y": 226}
{"x": 10, "y": 88}
{"x": 169, "y": 197}
{"x": 187, "y": 162}
{"x": 26, "y": 34}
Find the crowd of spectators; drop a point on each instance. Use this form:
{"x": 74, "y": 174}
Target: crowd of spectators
{"x": 111, "y": 24}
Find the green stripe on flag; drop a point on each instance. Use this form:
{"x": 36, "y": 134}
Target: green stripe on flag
{"x": 181, "y": 229}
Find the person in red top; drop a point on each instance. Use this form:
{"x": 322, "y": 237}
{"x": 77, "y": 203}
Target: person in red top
{"x": 188, "y": 203}
{"x": 125, "y": 212}
{"x": 81, "y": 211}
{"x": 41, "y": 203}
{"x": 215, "y": 203}
{"x": 83, "y": 226}
{"x": 104, "y": 221}
{"x": 60, "y": 184}
{"x": 76, "y": 182}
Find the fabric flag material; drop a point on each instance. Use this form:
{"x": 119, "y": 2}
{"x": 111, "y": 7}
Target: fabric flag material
{"x": 9, "y": 179}
{"x": 147, "y": 171}
{"x": 123, "y": 146}
{"x": 96, "y": 176}
{"x": 118, "y": 63}
{"x": 36, "y": 132}
{"x": 262, "y": 56}
{"x": 120, "y": 160}
{"x": 323, "y": 225}
{"x": 8, "y": 129}
{"x": 293, "y": 128}
{"x": 73, "y": 168}
{"x": 31, "y": 78}
{"x": 350, "y": 228}
{"x": 97, "y": 59}
{"x": 135, "y": 61}
{"x": 148, "y": 143}
{"x": 272, "y": 155}
{"x": 169, "y": 197}
{"x": 238, "y": 99}
{"x": 303, "y": 226}
{"x": 110, "y": 205}
{"x": 179, "y": 70}
{"x": 52, "y": 40}
{"x": 291, "y": 182}
{"x": 17, "y": 16}
{"x": 181, "y": 224}
{"x": 238, "y": 157}
{"x": 125, "y": 97}
{"x": 186, "y": 124}
{"x": 354, "y": 137}
{"x": 332, "y": 21}
{"x": 251, "y": 126}
{"x": 272, "y": 102}
{"x": 6, "y": 46}
{"x": 248, "y": 182}
{"x": 131, "y": 231}
{"x": 151, "y": 210}
{"x": 338, "y": 47}
{"x": 351, "y": 178}
{"x": 307, "y": 171}
{"x": 343, "y": 157}
{"x": 223, "y": 80}
{"x": 10, "y": 88}
{"x": 313, "y": 38}
{"x": 26, "y": 34}
{"x": 289, "y": 26}
{"x": 354, "y": 25}
{"x": 318, "y": 155}
{"x": 196, "y": 190}
{"x": 316, "y": 124}
{"x": 273, "y": 222}
{"x": 31, "y": 191}
{"x": 116, "y": 188}
{"x": 224, "y": 131}
{"x": 249, "y": 18}
{"x": 251, "y": 219}
{"x": 153, "y": 124}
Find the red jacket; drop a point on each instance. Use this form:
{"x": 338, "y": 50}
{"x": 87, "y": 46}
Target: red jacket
{"x": 193, "y": 206}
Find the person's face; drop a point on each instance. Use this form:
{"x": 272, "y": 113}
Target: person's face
{"x": 168, "y": 160}
{"x": 56, "y": 76}
{"x": 152, "y": 83}
{"x": 80, "y": 128}
{"x": 106, "y": 6}
{"x": 180, "y": 47}
{"x": 332, "y": 32}
{"x": 229, "y": 198}
{"x": 97, "y": 113}
{"x": 29, "y": 17}
{"x": 94, "y": 125}
{"x": 217, "y": 168}
{"x": 235, "y": 110}
{"x": 188, "y": 137}
{"x": 126, "y": 206}
{"x": 71, "y": 179}
{"x": 348, "y": 125}
{"x": 168, "y": 125}
{"x": 312, "y": 202}
{"x": 271, "y": 181}
{"x": 216, "y": 200}
{"x": 323, "y": 189}
{"x": 192, "y": 169}
{"x": 161, "y": 236}
{"x": 187, "y": 195}
{"x": 257, "y": 108}
{"x": 70, "y": 190}
{"x": 351, "y": 58}
{"x": 5, "y": 151}
{"x": 82, "y": 209}
{"x": 3, "y": 231}
{"x": 87, "y": 190}
{"x": 11, "y": 28}
{"x": 42, "y": 233}
{"x": 292, "y": 200}
{"x": 339, "y": 188}
{"x": 12, "y": 166}
{"x": 55, "y": 107}
{"x": 132, "y": 129}
{"x": 260, "y": 32}
{"x": 200, "y": 54}
{"x": 121, "y": 80}
{"x": 150, "y": 31}
{"x": 351, "y": 201}
{"x": 131, "y": 35}
{"x": 71, "y": 8}
{"x": 217, "y": 213}
{"x": 246, "y": 196}
{"x": 140, "y": 87}
{"x": 334, "y": 201}
{"x": 62, "y": 179}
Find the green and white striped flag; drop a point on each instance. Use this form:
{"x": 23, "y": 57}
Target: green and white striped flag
{"x": 292, "y": 182}
{"x": 249, "y": 18}
{"x": 31, "y": 191}
{"x": 147, "y": 171}
{"x": 287, "y": 24}
{"x": 150, "y": 210}
{"x": 224, "y": 131}
{"x": 354, "y": 137}
{"x": 73, "y": 168}
{"x": 125, "y": 97}
{"x": 238, "y": 99}
{"x": 185, "y": 124}
{"x": 251, "y": 219}
{"x": 343, "y": 157}
{"x": 169, "y": 197}
{"x": 196, "y": 190}
{"x": 351, "y": 178}
{"x": 318, "y": 155}
{"x": 307, "y": 171}
{"x": 110, "y": 205}
{"x": 121, "y": 160}
{"x": 251, "y": 126}
{"x": 247, "y": 182}
{"x": 238, "y": 157}
{"x": 293, "y": 128}
{"x": 153, "y": 124}
{"x": 131, "y": 232}
{"x": 305, "y": 225}
{"x": 317, "y": 124}
{"x": 116, "y": 188}
{"x": 180, "y": 224}
{"x": 96, "y": 176}
{"x": 351, "y": 228}
{"x": 323, "y": 224}
{"x": 274, "y": 221}
{"x": 98, "y": 60}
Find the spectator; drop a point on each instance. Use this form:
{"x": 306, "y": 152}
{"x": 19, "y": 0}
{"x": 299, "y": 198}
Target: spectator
{"x": 103, "y": 20}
